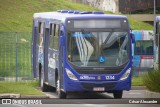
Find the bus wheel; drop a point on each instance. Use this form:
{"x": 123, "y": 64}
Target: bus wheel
{"x": 43, "y": 86}
{"x": 60, "y": 93}
{"x": 118, "y": 94}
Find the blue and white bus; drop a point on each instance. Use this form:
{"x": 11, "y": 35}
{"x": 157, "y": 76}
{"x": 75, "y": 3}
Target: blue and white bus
{"x": 143, "y": 56}
{"x": 82, "y": 52}
{"x": 157, "y": 42}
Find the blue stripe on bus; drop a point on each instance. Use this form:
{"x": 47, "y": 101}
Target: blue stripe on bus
{"x": 136, "y": 60}
{"x": 138, "y": 35}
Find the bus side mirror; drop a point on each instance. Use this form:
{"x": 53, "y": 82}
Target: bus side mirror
{"x": 132, "y": 37}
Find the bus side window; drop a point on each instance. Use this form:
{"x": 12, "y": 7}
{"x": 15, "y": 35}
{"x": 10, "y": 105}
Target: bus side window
{"x": 147, "y": 47}
{"x": 41, "y": 33}
{"x": 137, "y": 49}
{"x": 56, "y": 36}
{"x": 52, "y": 33}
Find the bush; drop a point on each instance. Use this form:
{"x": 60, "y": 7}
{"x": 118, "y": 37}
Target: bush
{"x": 152, "y": 80}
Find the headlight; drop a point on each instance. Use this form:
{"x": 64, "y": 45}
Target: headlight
{"x": 71, "y": 75}
{"x": 126, "y": 74}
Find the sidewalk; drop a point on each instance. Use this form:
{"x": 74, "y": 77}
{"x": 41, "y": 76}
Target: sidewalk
{"x": 150, "y": 94}
{"x": 12, "y": 95}
{"x": 147, "y": 93}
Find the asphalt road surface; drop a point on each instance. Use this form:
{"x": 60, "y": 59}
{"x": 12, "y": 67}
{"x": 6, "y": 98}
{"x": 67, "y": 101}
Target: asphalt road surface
{"x": 126, "y": 94}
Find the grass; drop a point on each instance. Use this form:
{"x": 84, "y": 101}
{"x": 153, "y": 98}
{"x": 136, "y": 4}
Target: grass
{"x": 138, "y": 25}
{"x": 137, "y": 81}
{"x": 16, "y": 15}
{"x": 152, "y": 80}
{"x": 23, "y": 88}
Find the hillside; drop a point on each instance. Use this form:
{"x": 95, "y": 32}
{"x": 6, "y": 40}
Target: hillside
{"x": 16, "y": 15}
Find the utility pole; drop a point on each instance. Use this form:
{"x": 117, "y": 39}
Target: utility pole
{"x": 154, "y": 6}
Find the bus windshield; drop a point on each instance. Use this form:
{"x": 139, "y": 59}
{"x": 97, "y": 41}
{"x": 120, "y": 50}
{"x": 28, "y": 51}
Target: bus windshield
{"x": 97, "y": 49}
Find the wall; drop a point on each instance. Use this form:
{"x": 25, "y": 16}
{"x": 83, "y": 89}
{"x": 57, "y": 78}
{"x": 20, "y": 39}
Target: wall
{"x": 110, "y": 5}
{"x": 123, "y": 6}
{"x": 107, "y": 5}
{"x": 126, "y": 6}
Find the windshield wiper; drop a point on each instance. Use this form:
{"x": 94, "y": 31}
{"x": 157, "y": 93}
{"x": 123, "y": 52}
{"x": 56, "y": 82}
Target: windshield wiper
{"x": 108, "y": 37}
{"x": 106, "y": 40}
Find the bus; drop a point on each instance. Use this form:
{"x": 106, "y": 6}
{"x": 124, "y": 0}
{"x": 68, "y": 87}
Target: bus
{"x": 74, "y": 51}
{"x": 157, "y": 43}
{"x": 143, "y": 56}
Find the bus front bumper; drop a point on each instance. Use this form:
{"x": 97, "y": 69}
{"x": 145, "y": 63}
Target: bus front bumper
{"x": 71, "y": 85}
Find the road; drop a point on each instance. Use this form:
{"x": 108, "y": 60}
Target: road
{"x": 93, "y": 100}
{"x": 126, "y": 94}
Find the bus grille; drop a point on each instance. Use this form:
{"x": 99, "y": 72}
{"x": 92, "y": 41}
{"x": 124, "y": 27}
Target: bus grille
{"x": 98, "y": 70}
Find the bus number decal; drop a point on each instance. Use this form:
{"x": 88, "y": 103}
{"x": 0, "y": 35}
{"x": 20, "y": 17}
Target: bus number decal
{"x": 110, "y": 77}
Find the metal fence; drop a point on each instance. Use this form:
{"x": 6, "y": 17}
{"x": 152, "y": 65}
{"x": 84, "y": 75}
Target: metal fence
{"x": 15, "y": 56}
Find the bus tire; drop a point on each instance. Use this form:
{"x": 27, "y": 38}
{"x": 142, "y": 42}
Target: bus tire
{"x": 51, "y": 88}
{"x": 44, "y": 87}
{"x": 117, "y": 94}
{"x": 61, "y": 94}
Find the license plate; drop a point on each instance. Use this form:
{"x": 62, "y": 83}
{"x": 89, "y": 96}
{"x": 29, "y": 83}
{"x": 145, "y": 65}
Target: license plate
{"x": 98, "y": 89}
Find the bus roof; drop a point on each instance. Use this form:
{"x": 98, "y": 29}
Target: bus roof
{"x": 70, "y": 15}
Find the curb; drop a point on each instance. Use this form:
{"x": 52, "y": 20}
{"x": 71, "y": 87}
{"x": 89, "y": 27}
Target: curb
{"x": 10, "y": 95}
{"x": 33, "y": 96}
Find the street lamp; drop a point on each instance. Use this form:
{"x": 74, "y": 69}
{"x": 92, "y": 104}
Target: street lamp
{"x": 154, "y": 6}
